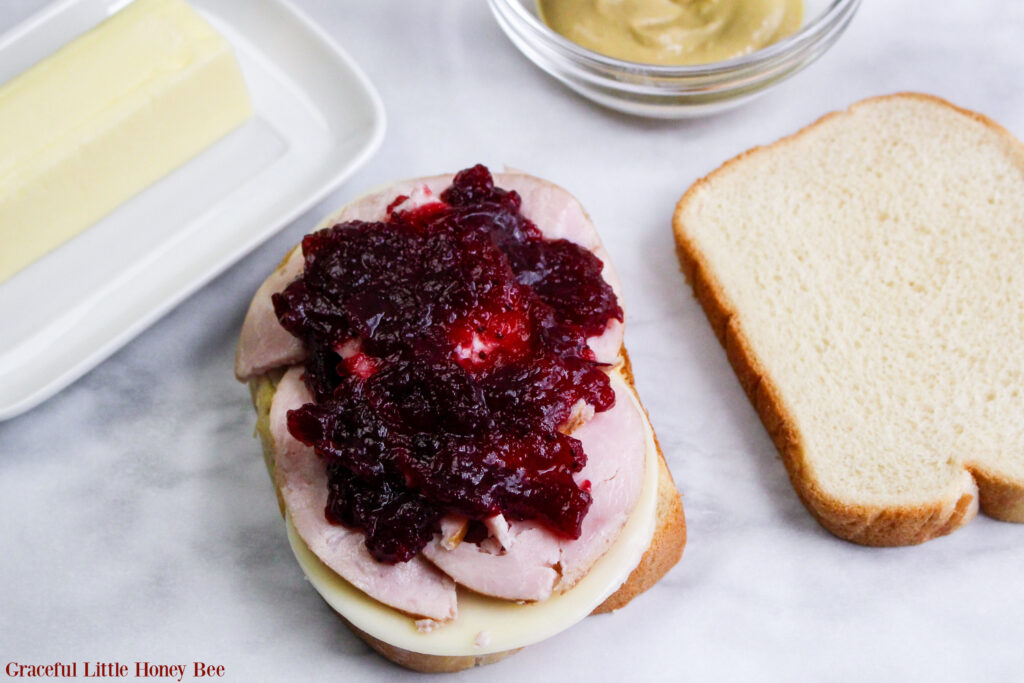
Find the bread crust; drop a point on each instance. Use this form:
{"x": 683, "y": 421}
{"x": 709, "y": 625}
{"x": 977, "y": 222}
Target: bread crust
{"x": 869, "y": 525}
{"x": 664, "y": 552}
{"x": 669, "y": 538}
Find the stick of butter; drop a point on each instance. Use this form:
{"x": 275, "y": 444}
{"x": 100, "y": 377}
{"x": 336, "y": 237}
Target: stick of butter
{"x": 104, "y": 117}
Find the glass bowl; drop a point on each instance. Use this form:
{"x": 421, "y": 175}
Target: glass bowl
{"x": 672, "y": 91}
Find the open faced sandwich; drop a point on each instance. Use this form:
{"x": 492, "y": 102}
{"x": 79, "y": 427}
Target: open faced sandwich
{"x": 448, "y": 415}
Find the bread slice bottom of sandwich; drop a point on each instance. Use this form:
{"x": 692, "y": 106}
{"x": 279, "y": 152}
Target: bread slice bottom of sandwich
{"x": 865, "y": 277}
{"x": 485, "y": 629}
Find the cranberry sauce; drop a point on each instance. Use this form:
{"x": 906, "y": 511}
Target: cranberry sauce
{"x": 447, "y": 345}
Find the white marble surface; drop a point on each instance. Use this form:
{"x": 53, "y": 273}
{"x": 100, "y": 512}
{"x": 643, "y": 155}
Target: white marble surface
{"x": 139, "y": 524}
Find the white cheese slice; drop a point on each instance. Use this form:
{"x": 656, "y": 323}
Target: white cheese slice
{"x": 107, "y": 115}
{"x": 508, "y": 625}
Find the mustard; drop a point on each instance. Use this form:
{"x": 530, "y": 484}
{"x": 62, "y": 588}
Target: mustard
{"x": 673, "y": 32}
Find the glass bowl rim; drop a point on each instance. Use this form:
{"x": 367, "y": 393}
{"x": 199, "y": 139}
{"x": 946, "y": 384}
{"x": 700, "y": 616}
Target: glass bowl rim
{"x": 764, "y": 56}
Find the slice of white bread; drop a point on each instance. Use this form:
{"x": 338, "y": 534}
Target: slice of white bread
{"x": 866, "y": 278}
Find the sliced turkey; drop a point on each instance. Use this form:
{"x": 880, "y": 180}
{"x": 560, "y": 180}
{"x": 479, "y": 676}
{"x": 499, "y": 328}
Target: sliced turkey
{"x": 264, "y": 344}
{"x": 538, "y": 561}
{"x": 520, "y": 560}
{"x": 415, "y": 587}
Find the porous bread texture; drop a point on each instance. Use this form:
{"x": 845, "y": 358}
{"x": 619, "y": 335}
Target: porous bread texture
{"x": 866, "y": 278}
{"x": 665, "y": 550}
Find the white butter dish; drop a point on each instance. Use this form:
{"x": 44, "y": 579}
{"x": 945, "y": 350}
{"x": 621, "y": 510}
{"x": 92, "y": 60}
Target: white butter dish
{"x": 317, "y": 119}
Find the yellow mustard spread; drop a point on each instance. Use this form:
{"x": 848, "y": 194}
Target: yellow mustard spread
{"x": 673, "y": 31}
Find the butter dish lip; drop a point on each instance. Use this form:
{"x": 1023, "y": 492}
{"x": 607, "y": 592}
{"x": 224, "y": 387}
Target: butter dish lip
{"x": 317, "y": 120}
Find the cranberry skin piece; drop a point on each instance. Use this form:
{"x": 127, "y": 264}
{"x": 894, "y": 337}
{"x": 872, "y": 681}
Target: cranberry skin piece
{"x": 569, "y": 280}
{"x": 447, "y": 346}
{"x": 397, "y": 522}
